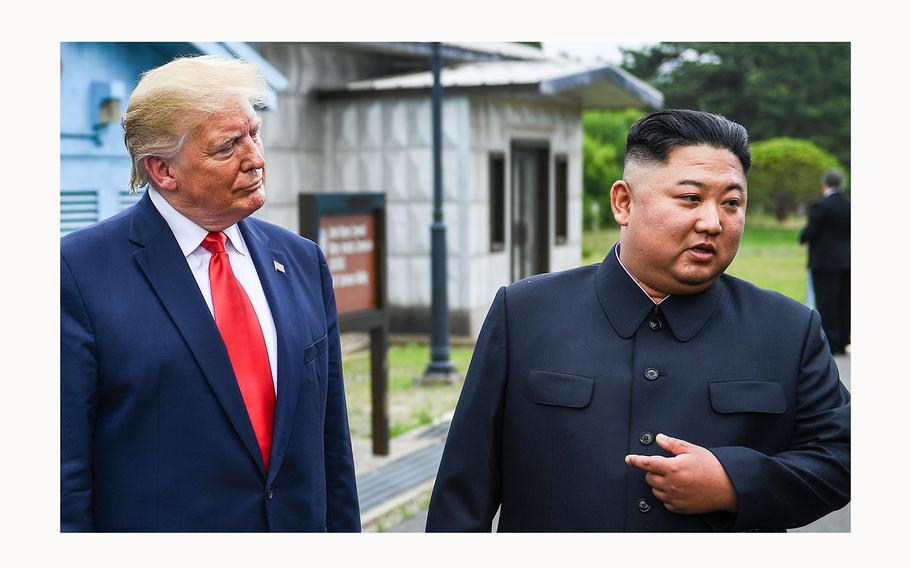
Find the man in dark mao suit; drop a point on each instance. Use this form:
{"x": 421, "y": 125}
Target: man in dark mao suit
{"x": 201, "y": 382}
{"x": 828, "y": 234}
{"x": 651, "y": 392}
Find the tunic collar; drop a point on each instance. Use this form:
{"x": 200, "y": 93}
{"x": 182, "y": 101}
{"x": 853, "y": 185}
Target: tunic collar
{"x": 626, "y": 305}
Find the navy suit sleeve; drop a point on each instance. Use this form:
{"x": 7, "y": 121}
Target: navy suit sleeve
{"x": 467, "y": 490}
{"x": 78, "y": 402}
{"x": 812, "y": 477}
{"x": 343, "y": 510}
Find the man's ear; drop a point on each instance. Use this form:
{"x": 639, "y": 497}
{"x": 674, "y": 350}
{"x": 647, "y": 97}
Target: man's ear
{"x": 621, "y": 202}
{"x": 160, "y": 172}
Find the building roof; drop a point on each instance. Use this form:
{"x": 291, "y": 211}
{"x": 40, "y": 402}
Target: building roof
{"x": 450, "y": 51}
{"x": 592, "y": 85}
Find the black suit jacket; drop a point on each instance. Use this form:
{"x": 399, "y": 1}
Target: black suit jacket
{"x": 572, "y": 369}
{"x": 828, "y": 233}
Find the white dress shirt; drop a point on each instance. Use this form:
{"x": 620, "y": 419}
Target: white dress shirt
{"x": 189, "y": 236}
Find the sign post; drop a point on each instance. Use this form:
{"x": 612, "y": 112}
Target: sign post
{"x": 350, "y": 230}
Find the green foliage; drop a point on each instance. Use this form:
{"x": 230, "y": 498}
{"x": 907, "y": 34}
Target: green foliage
{"x": 799, "y": 90}
{"x": 604, "y": 146}
{"x": 410, "y": 406}
{"x": 786, "y": 174}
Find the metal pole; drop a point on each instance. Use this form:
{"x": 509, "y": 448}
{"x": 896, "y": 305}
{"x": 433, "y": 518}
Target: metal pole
{"x": 440, "y": 368}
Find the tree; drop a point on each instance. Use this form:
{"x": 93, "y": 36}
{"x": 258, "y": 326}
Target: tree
{"x": 799, "y": 90}
{"x": 786, "y": 174}
{"x": 604, "y": 147}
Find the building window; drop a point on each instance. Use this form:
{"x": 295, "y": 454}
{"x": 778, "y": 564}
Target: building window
{"x": 497, "y": 202}
{"x": 562, "y": 199}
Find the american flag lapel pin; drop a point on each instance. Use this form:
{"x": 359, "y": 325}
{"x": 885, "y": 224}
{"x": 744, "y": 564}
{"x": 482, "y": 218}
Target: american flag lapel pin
{"x": 278, "y": 266}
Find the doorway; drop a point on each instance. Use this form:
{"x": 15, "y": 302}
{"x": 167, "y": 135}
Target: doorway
{"x": 530, "y": 211}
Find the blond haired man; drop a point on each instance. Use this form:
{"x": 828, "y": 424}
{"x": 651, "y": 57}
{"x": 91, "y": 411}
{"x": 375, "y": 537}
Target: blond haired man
{"x": 201, "y": 383}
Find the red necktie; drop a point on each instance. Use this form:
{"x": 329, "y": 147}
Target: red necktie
{"x": 236, "y": 320}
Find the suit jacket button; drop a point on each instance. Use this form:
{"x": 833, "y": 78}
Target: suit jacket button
{"x": 268, "y": 493}
{"x": 646, "y": 438}
{"x": 651, "y": 374}
{"x": 643, "y": 506}
{"x": 654, "y": 324}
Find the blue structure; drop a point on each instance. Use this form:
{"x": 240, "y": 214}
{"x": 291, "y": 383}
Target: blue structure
{"x": 96, "y": 80}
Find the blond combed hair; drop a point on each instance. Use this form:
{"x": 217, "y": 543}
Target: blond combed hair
{"x": 171, "y": 100}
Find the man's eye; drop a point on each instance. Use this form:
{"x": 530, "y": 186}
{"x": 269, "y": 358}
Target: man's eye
{"x": 734, "y": 202}
{"x": 690, "y": 198}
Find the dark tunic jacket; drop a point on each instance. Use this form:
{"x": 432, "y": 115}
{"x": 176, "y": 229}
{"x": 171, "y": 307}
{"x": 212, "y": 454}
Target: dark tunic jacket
{"x": 575, "y": 370}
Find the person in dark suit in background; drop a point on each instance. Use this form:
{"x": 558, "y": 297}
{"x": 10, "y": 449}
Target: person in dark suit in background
{"x": 651, "y": 392}
{"x": 201, "y": 382}
{"x": 828, "y": 234}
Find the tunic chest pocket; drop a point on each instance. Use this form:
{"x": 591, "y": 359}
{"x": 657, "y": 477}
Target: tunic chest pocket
{"x": 558, "y": 389}
{"x": 763, "y": 397}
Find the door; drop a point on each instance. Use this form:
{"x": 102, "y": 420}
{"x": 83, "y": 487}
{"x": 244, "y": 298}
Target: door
{"x": 530, "y": 210}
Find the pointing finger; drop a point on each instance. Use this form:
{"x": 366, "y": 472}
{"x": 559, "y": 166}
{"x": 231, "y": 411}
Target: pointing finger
{"x": 653, "y": 464}
{"x": 674, "y": 445}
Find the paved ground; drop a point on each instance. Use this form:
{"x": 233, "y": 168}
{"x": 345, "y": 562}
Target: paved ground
{"x": 838, "y": 521}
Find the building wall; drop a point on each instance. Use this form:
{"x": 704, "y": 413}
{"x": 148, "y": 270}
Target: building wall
{"x": 295, "y": 133}
{"x": 90, "y": 159}
{"x": 495, "y": 122}
{"x": 385, "y": 145}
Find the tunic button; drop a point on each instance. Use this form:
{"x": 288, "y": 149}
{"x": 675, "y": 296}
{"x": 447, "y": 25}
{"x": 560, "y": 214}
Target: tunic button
{"x": 646, "y": 438}
{"x": 651, "y": 374}
{"x": 654, "y": 324}
{"x": 268, "y": 493}
{"x": 643, "y": 506}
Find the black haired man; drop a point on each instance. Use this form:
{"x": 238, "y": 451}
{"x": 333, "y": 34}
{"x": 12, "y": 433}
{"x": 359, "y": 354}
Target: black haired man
{"x": 580, "y": 378}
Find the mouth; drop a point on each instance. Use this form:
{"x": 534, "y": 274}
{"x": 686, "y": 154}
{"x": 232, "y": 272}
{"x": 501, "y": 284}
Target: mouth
{"x": 252, "y": 187}
{"x": 702, "y": 252}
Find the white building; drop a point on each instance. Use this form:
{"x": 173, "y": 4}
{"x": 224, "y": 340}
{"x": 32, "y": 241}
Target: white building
{"x": 356, "y": 117}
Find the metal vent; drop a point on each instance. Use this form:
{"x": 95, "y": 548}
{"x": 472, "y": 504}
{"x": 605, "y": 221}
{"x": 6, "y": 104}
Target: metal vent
{"x": 77, "y": 209}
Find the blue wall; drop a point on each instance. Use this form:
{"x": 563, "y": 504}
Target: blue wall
{"x": 96, "y": 160}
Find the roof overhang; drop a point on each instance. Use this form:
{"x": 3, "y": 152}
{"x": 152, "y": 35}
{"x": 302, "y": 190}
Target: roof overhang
{"x": 275, "y": 80}
{"x": 588, "y": 85}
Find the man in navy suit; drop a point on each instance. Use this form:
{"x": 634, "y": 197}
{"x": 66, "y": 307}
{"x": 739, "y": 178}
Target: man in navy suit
{"x": 651, "y": 392}
{"x": 201, "y": 380}
{"x": 828, "y": 235}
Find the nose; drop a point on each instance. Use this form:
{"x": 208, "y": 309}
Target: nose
{"x": 708, "y": 220}
{"x": 254, "y": 158}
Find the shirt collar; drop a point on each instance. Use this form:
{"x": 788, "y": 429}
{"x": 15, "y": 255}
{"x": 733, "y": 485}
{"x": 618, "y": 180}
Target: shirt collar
{"x": 626, "y": 306}
{"x": 189, "y": 235}
{"x": 656, "y": 302}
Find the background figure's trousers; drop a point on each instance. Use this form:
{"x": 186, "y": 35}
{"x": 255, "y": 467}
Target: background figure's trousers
{"x": 832, "y": 299}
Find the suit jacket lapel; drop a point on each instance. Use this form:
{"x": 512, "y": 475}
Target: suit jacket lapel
{"x": 166, "y": 269}
{"x": 290, "y": 329}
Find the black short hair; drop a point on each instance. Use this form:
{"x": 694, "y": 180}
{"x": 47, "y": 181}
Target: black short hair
{"x": 833, "y": 178}
{"x": 654, "y": 135}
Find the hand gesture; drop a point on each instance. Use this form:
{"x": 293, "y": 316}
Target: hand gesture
{"x": 691, "y": 482}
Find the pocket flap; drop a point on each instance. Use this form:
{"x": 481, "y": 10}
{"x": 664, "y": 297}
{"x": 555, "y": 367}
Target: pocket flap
{"x": 558, "y": 389}
{"x": 748, "y": 396}
{"x": 315, "y": 350}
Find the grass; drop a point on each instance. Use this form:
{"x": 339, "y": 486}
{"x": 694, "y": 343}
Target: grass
{"x": 410, "y": 406}
{"x": 769, "y": 256}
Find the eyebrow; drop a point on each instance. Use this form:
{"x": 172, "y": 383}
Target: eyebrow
{"x": 700, "y": 185}
{"x": 232, "y": 135}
